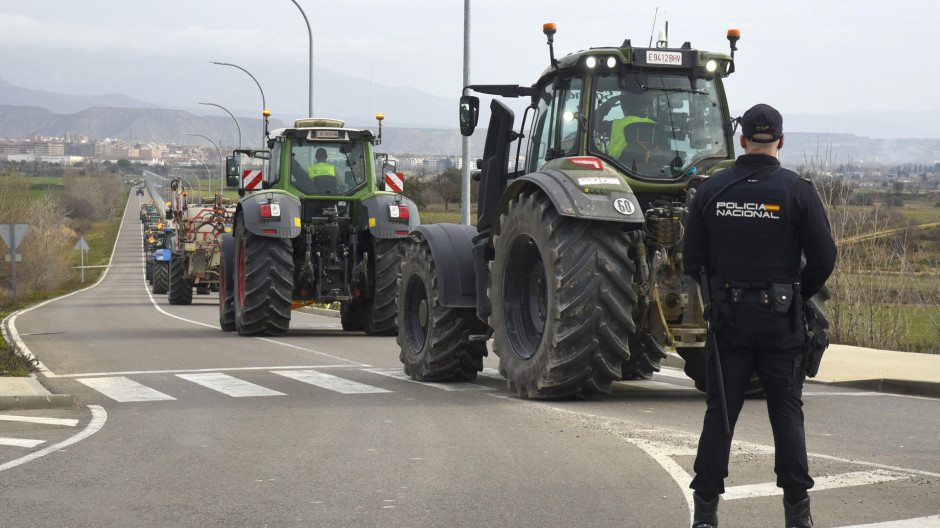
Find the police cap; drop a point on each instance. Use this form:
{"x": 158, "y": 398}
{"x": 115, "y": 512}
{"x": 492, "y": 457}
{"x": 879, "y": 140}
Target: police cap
{"x": 762, "y": 119}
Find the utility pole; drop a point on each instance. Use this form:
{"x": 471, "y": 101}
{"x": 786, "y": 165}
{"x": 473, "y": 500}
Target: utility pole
{"x": 465, "y": 141}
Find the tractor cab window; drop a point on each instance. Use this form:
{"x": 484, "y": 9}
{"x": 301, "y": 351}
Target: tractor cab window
{"x": 327, "y": 167}
{"x": 552, "y": 136}
{"x": 656, "y": 125}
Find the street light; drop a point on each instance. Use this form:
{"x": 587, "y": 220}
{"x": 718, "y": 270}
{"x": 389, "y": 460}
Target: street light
{"x": 233, "y": 119}
{"x": 221, "y": 162}
{"x": 310, "y": 33}
{"x": 189, "y": 181}
{"x": 199, "y": 183}
{"x": 263, "y": 104}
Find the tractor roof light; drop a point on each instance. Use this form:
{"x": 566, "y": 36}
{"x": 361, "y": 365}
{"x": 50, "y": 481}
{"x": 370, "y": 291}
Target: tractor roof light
{"x": 590, "y": 62}
{"x": 611, "y": 62}
{"x": 266, "y": 112}
{"x": 711, "y": 65}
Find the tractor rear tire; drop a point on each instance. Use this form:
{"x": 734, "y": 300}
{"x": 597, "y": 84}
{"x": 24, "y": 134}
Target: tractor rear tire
{"x": 264, "y": 276}
{"x": 148, "y": 271}
{"x": 434, "y": 339}
{"x": 179, "y": 289}
{"x": 161, "y": 277}
{"x": 562, "y": 295}
{"x": 382, "y": 311}
{"x": 226, "y": 284}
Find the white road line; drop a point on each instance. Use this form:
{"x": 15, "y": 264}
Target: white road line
{"x": 229, "y": 386}
{"x": 931, "y": 521}
{"x": 654, "y": 385}
{"x": 98, "y": 418}
{"x": 672, "y": 373}
{"x": 330, "y": 382}
{"x": 70, "y": 422}
{"x": 8, "y": 325}
{"x": 844, "y": 480}
{"x": 19, "y": 442}
{"x": 491, "y": 373}
{"x": 123, "y": 389}
{"x": 459, "y": 386}
{"x": 187, "y": 371}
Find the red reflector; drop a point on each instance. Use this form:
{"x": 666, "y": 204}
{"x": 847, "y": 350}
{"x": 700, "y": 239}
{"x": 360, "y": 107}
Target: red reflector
{"x": 401, "y": 232}
{"x": 402, "y": 211}
{"x": 270, "y": 231}
{"x": 266, "y": 210}
{"x": 358, "y": 293}
{"x": 588, "y": 163}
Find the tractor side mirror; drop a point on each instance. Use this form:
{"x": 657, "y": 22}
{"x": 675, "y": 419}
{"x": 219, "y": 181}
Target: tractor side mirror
{"x": 232, "y": 171}
{"x": 469, "y": 114}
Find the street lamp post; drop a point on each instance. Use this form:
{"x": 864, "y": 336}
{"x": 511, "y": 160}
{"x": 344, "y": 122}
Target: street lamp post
{"x": 221, "y": 162}
{"x": 197, "y": 182}
{"x": 263, "y": 103}
{"x": 310, "y": 34}
{"x": 233, "y": 119}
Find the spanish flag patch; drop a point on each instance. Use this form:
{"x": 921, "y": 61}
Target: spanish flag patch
{"x": 771, "y": 207}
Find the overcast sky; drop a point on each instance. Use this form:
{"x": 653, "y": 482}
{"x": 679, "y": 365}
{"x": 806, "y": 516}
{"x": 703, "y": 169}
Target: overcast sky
{"x": 801, "y": 56}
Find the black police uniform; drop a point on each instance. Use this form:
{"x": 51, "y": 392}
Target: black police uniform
{"x": 749, "y": 238}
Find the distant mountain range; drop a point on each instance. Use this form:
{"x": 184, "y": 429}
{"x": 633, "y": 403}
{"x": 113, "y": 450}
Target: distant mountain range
{"x": 858, "y": 137}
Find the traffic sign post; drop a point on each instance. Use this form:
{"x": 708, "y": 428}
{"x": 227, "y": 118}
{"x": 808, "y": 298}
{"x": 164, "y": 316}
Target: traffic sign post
{"x": 13, "y": 234}
{"x": 82, "y": 246}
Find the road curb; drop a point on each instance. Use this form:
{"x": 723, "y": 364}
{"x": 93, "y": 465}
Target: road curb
{"x": 886, "y": 385}
{"x": 892, "y": 386}
{"x": 320, "y": 311}
{"x": 38, "y": 401}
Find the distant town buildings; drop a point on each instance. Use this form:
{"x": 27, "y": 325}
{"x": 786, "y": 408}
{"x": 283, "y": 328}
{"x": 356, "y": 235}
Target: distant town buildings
{"x": 72, "y": 149}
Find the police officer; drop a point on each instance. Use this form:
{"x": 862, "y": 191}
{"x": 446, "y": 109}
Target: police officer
{"x": 748, "y": 227}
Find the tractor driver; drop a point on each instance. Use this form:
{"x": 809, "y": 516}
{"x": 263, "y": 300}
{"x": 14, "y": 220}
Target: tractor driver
{"x": 321, "y": 167}
{"x": 636, "y": 109}
{"x": 323, "y": 174}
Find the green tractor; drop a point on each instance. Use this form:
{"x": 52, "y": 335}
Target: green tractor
{"x": 574, "y": 267}
{"x": 315, "y": 227}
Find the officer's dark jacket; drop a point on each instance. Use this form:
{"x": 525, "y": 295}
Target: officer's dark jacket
{"x": 754, "y": 232}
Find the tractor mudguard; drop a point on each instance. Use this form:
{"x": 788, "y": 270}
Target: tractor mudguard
{"x": 285, "y": 226}
{"x": 375, "y": 214}
{"x": 570, "y": 199}
{"x": 452, "y": 248}
{"x": 162, "y": 255}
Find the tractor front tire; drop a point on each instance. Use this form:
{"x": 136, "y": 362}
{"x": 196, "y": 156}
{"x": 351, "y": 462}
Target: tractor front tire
{"x": 264, "y": 275}
{"x": 562, "y": 294}
{"x": 226, "y": 284}
{"x": 434, "y": 340}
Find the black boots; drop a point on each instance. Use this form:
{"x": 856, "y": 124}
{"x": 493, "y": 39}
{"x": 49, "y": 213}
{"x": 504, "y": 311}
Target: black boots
{"x": 706, "y": 513}
{"x": 797, "y": 514}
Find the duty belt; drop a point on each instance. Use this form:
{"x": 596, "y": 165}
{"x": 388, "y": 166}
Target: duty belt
{"x": 739, "y": 295}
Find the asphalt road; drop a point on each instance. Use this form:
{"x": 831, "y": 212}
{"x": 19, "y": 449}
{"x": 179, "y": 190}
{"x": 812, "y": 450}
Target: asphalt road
{"x": 184, "y": 425}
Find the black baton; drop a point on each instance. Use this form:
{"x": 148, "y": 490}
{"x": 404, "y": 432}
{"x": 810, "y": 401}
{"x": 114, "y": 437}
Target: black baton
{"x": 712, "y": 339}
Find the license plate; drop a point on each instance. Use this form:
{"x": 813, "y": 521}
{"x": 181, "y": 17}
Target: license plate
{"x": 668, "y": 58}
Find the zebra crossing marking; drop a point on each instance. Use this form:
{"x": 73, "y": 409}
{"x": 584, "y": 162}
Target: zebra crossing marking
{"x": 228, "y": 385}
{"x": 330, "y": 382}
{"x": 70, "y": 422}
{"x": 399, "y": 374}
{"x": 20, "y": 442}
{"x": 843, "y": 480}
{"x": 123, "y": 389}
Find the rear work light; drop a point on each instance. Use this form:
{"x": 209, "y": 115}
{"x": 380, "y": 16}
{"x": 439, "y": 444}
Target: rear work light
{"x": 270, "y": 210}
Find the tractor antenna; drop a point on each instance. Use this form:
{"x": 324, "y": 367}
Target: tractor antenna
{"x": 654, "y": 27}
{"x": 549, "y": 30}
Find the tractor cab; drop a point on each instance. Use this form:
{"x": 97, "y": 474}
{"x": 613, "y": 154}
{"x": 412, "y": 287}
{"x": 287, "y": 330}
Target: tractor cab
{"x": 656, "y": 115}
